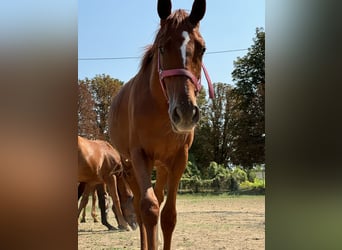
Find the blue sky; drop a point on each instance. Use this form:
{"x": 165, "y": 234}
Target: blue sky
{"x": 114, "y": 28}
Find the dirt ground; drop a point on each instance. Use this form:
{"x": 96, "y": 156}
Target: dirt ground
{"x": 204, "y": 222}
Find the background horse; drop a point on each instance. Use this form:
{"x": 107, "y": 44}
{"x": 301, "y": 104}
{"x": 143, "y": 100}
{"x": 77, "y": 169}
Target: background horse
{"x": 152, "y": 118}
{"x": 98, "y": 163}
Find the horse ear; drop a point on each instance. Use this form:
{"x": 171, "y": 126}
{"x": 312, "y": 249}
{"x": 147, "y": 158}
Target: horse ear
{"x": 164, "y": 8}
{"x": 197, "y": 11}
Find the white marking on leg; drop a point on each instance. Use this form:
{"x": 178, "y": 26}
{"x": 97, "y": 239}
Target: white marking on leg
{"x": 184, "y": 45}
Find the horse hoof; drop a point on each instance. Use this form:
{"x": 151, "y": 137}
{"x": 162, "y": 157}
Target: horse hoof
{"x": 111, "y": 228}
{"x": 134, "y": 226}
{"x": 123, "y": 228}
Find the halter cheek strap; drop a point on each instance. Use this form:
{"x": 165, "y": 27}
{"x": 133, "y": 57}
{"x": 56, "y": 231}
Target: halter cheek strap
{"x": 184, "y": 72}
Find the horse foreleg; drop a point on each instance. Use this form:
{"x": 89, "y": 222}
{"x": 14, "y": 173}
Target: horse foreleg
{"x": 102, "y": 204}
{"x": 132, "y": 182}
{"x": 149, "y": 206}
{"x": 169, "y": 213}
{"x": 113, "y": 190}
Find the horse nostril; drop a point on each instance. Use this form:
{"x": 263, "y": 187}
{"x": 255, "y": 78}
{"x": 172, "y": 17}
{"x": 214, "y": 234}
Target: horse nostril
{"x": 176, "y": 115}
{"x": 195, "y": 114}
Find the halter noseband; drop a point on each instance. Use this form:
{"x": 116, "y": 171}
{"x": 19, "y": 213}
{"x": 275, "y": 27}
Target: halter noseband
{"x": 184, "y": 72}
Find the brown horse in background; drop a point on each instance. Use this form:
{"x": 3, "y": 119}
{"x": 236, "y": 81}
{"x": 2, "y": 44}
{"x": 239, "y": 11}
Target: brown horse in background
{"x": 152, "y": 118}
{"x": 98, "y": 163}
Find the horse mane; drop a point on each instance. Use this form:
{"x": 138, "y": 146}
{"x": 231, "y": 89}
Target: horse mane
{"x": 147, "y": 58}
{"x": 177, "y": 18}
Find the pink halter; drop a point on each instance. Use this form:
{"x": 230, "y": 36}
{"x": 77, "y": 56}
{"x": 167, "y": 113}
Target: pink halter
{"x": 184, "y": 72}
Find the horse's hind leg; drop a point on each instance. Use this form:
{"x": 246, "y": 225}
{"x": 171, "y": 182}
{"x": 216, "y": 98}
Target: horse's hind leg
{"x": 84, "y": 201}
{"x": 81, "y": 187}
{"x": 93, "y": 206}
{"x": 102, "y": 204}
{"x": 159, "y": 191}
{"x": 83, "y": 219}
{"x": 85, "y": 193}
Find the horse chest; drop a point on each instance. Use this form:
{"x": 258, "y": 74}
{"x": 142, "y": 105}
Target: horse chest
{"x": 163, "y": 146}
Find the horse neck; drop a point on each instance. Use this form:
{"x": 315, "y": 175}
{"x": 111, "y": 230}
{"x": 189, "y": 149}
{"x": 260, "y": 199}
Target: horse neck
{"x": 154, "y": 83}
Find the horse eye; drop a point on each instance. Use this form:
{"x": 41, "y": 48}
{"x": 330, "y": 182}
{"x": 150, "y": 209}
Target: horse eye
{"x": 161, "y": 49}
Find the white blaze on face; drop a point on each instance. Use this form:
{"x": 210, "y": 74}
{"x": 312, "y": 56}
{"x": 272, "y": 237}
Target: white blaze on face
{"x": 184, "y": 45}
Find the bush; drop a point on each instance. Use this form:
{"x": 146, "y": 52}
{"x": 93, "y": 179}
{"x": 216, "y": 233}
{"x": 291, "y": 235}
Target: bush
{"x": 233, "y": 184}
{"x": 239, "y": 175}
{"x": 220, "y": 179}
{"x": 256, "y": 187}
{"x": 251, "y": 175}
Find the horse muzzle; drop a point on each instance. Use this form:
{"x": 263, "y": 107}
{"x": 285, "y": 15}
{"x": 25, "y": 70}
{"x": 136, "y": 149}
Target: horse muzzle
{"x": 184, "y": 118}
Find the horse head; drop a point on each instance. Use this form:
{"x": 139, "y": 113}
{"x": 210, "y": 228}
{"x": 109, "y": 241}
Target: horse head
{"x": 180, "y": 47}
{"x": 126, "y": 201}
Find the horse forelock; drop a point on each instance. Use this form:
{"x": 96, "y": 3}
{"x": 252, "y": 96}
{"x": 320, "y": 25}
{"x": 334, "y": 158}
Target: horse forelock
{"x": 177, "y": 21}
{"x": 177, "y": 18}
{"x": 174, "y": 21}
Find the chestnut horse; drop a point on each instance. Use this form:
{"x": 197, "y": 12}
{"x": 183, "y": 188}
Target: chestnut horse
{"x": 152, "y": 118}
{"x": 99, "y": 163}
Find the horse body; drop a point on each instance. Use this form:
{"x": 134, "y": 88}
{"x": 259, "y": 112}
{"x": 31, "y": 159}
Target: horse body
{"x": 99, "y": 163}
{"x": 152, "y": 118}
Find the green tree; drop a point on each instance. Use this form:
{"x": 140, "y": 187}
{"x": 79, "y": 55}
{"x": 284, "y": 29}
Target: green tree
{"x": 101, "y": 88}
{"x": 219, "y": 175}
{"x": 201, "y": 152}
{"x": 247, "y": 127}
{"x": 212, "y": 137}
{"x": 87, "y": 125}
{"x": 220, "y": 117}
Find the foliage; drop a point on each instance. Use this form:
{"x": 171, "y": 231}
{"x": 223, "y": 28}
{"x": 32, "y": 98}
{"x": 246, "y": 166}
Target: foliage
{"x": 220, "y": 116}
{"x": 221, "y": 179}
{"x": 232, "y": 126}
{"x": 239, "y": 174}
{"x": 191, "y": 170}
{"x": 87, "y": 126}
{"x": 201, "y": 152}
{"x": 258, "y": 186}
{"x": 248, "y": 125}
{"x": 219, "y": 175}
{"x": 99, "y": 92}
